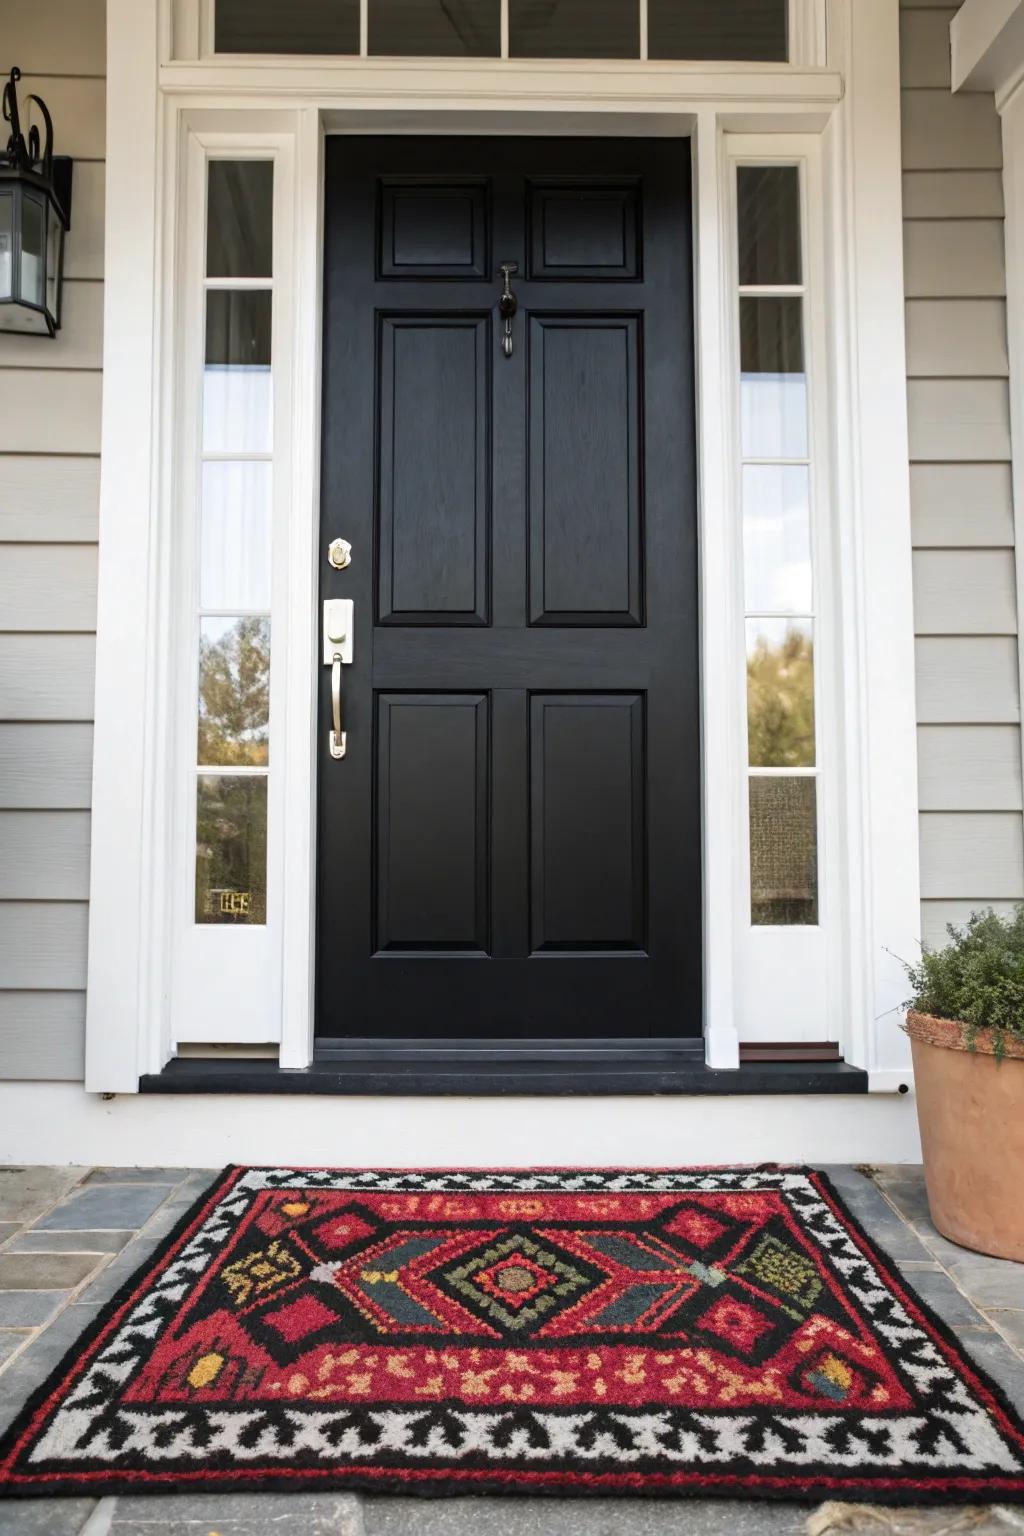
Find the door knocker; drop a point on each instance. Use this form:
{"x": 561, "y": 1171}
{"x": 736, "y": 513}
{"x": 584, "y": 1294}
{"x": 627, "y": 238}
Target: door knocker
{"x": 508, "y": 304}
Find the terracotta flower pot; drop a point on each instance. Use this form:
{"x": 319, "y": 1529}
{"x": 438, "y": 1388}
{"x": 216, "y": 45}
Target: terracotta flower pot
{"x": 971, "y": 1112}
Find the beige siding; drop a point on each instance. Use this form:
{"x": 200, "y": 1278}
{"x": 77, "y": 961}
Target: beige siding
{"x": 965, "y": 607}
{"x": 50, "y": 394}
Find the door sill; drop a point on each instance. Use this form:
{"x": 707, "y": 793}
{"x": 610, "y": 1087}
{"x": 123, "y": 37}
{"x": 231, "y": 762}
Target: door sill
{"x": 552, "y": 1068}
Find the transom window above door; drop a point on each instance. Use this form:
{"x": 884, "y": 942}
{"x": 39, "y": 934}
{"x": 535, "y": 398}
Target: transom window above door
{"x": 754, "y": 30}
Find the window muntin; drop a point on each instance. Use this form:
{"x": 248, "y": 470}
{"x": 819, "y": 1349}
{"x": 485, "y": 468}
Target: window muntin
{"x": 232, "y": 759}
{"x": 775, "y": 484}
{"x": 720, "y": 30}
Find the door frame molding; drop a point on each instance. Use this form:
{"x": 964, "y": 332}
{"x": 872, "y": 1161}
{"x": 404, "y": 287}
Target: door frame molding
{"x": 155, "y": 105}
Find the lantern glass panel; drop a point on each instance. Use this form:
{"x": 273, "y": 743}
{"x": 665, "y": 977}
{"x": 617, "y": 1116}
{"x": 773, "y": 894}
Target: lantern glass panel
{"x": 6, "y": 245}
{"x": 33, "y": 249}
{"x": 54, "y": 259}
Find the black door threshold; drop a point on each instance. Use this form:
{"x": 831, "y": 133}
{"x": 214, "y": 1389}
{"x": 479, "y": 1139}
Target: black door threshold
{"x": 388, "y": 1075}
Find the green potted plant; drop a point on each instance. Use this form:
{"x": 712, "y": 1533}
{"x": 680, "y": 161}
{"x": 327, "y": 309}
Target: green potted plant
{"x": 966, "y": 1027}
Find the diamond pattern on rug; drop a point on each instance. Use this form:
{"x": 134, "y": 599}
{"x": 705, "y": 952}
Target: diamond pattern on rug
{"x": 700, "y": 1331}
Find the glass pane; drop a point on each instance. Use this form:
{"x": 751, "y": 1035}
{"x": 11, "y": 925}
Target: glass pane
{"x": 780, "y": 693}
{"x": 717, "y": 29}
{"x": 777, "y": 538}
{"x": 32, "y": 263}
{"x": 574, "y": 29}
{"x": 300, "y": 26}
{"x": 239, "y": 218}
{"x": 6, "y": 244}
{"x": 231, "y": 849}
{"x": 234, "y": 692}
{"x": 773, "y": 386}
{"x": 768, "y": 198}
{"x": 235, "y": 543}
{"x": 54, "y": 242}
{"x": 783, "y": 852}
{"x": 438, "y": 27}
{"x": 237, "y": 383}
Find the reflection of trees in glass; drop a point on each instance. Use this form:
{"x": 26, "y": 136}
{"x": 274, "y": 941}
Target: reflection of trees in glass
{"x": 234, "y": 691}
{"x": 780, "y": 697}
{"x": 231, "y": 849}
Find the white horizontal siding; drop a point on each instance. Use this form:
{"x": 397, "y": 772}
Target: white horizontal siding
{"x": 973, "y": 855}
{"x": 44, "y": 855}
{"x": 57, "y": 37}
{"x": 961, "y": 505}
{"x": 42, "y": 1035}
{"x": 949, "y": 133}
{"x": 965, "y": 602}
{"x": 965, "y": 592}
{"x": 83, "y": 255}
{"x": 953, "y": 195}
{"x": 924, "y": 47}
{"x": 45, "y": 766}
{"x": 957, "y": 338}
{"x": 954, "y": 258}
{"x": 32, "y": 400}
{"x": 50, "y": 401}
{"x": 43, "y": 945}
{"x": 48, "y": 498}
{"x": 969, "y": 768}
{"x": 967, "y": 680}
{"x": 48, "y": 587}
{"x": 47, "y": 677}
{"x": 937, "y": 915}
{"x": 963, "y": 419}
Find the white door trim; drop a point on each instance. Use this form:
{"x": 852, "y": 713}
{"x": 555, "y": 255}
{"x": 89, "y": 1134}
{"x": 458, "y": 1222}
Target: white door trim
{"x": 153, "y": 104}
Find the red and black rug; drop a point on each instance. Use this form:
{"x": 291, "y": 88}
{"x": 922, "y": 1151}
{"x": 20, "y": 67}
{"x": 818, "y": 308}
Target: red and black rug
{"x": 704, "y": 1332}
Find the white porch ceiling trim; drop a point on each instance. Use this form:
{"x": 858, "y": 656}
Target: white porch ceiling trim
{"x": 987, "y": 40}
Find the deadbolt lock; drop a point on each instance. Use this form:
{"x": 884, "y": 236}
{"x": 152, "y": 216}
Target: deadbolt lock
{"x": 339, "y": 553}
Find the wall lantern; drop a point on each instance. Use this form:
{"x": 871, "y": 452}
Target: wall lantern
{"x": 35, "y": 212}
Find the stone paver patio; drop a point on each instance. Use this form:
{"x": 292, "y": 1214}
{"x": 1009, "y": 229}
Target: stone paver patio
{"x": 70, "y": 1237}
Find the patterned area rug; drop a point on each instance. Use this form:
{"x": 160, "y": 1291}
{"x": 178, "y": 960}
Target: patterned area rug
{"x": 705, "y": 1332}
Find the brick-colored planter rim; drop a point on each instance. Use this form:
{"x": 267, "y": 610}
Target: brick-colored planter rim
{"x": 953, "y": 1035}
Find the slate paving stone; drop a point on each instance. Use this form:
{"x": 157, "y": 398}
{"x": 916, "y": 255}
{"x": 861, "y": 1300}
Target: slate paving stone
{"x": 11, "y": 1339}
{"x": 29, "y": 1309}
{"x": 1002, "y": 1363}
{"x": 877, "y": 1216}
{"x": 136, "y": 1176}
{"x": 45, "y": 1271}
{"x": 580, "y": 1517}
{"x": 115, "y": 1207}
{"x": 1011, "y": 1324}
{"x": 34, "y": 1241}
{"x": 990, "y": 1283}
{"x": 25, "y": 1193}
{"x": 8, "y": 1229}
{"x": 945, "y": 1298}
{"x": 253, "y": 1514}
{"x": 44, "y": 1517}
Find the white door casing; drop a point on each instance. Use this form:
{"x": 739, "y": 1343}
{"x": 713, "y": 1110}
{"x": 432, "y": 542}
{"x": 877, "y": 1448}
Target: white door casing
{"x": 165, "y": 114}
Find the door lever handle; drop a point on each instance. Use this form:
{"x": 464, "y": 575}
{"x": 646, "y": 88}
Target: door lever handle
{"x": 339, "y": 740}
{"x": 338, "y": 651}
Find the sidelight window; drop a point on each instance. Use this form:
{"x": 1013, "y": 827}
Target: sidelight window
{"x": 775, "y": 492}
{"x": 545, "y": 29}
{"x": 232, "y": 621}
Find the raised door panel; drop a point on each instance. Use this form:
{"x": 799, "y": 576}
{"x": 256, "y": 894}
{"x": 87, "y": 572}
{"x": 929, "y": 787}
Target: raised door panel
{"x": 584, "y": 230}
{"x": 585, "y": 510}
{"x": 433, "y": 229}
{"x": 432, "y": 874}
{"x": 588, "y": 821}
{"x": 433, "y": 473}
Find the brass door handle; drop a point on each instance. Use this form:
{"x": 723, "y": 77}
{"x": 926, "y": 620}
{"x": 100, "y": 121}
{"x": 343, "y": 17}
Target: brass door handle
{"x": 338, "y": 740}
{"x": 339, "y": 619}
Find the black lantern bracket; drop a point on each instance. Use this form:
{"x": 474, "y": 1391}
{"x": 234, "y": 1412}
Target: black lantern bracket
{"x": 35, "y": 215}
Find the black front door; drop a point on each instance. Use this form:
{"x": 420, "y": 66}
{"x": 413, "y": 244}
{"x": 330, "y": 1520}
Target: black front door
{"x": 510, "y": 848}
